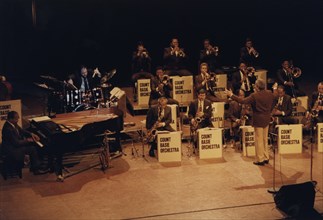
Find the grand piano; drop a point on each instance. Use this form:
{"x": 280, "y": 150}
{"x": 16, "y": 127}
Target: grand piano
{"x": 70, "y": 131}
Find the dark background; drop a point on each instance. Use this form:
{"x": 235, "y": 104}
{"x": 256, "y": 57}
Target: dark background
{"x": 104, "y": 33}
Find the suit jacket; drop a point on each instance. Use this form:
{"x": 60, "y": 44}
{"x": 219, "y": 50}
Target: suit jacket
{"x": 152, "y": 117}
{"x": 211, "y": 59}
{"x": 173, "y": 62}
{"x": 154, "y": 94}
{"x": 261, "y": 104}
{"x": 207, "y": 110}
{"x": 245, "y": 57}
{"x": 286, "y": 106}
{"x": 235, "y": 111}
{"x": 13, "y": 138}
{"x": 236, "y": 81}
{"x": 314, "y": 99}
{"x": 140, "y": 63}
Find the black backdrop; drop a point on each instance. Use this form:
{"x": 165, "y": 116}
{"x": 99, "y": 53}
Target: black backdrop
{"x": 104, "y": 33}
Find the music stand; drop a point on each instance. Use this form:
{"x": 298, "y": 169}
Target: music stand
{"x": 273, "y": 189}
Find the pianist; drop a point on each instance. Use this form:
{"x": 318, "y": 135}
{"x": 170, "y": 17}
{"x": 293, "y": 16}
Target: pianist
{"x": 17, "y": 142}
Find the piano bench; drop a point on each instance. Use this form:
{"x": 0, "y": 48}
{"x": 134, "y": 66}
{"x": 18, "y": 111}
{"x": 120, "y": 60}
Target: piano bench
{"x": 8, "y": 168}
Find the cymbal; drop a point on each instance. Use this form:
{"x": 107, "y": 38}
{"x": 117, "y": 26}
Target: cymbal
{"x": 47, "y": 77}
{"x": 44, "y": 86}
{"x": 108, "y": 76}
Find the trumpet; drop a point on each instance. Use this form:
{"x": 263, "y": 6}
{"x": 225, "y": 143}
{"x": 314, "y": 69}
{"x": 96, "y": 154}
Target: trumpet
{"x": 253, "y": 51}
{"x": 165, "y": 79}
{"x": 315, "y": 110}
{"x": 294, "y": 71}
{"x": 214, "y": 50}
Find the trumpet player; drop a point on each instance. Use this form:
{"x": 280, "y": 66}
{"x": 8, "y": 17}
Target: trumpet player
{"x": 161, "y": 87}
{"x": 175, "y": 59}
{"x": 141, "y": 61}
{"x": 317, "y": 104}
{"x": 244, "y": 79}
{"x": 286, "y": 78}
{"x": 282, "y": 107}
{"x": 210, "y": 55}
{"x": 158, "y": 118}
{"x": 248, "y": 54}
{"x": 207, "y": 81}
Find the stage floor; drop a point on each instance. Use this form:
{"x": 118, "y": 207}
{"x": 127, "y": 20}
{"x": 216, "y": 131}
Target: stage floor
{"x": 140, "y": 187}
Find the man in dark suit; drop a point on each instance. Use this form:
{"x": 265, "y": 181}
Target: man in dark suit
{"x": 248, "y": 53}
{"x": 285, "y": 78}
{"x": 87, "y": 79}
{"x": 17, "y": 142}
{"x": 161, "y": 87}
{"x": 261, "y": 102}
{"x": 317, "y": 103}
{"x": 175, "y": 59}
{"x": 244, "y": 79}
{"x": 205, "y": 81}
{"x": 209, "y": 55}
{"x": 158, "y": 118}
{"x": 283, "y": 107}
{"x": 201, "y": 108}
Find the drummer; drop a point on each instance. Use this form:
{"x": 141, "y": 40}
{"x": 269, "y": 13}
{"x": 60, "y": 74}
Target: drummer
{"x": 84, "y": 80}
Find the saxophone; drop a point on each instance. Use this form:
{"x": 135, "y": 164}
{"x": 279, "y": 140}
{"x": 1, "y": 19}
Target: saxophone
{"x": 315, "y": 110}
{"x": 152, "y": 132}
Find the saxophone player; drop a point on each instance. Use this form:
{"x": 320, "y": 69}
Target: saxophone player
{"x": 175, "y": 59}
{"x": 158, "y": 118}
{"x": 317, "y": 104}
{"x": 283, "y": 107}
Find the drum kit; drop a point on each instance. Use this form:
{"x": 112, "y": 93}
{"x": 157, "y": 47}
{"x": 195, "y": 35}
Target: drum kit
{"x": 64, "y": 97}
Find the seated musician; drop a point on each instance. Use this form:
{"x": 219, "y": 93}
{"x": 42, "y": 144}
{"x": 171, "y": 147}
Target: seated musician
{"x": 317, "y": 104}
{"x": 175, "y": 59}
{"x": 210, "y": 55}
{"x": 200, "y": 113}
{"x": 87, "y": 79}
{"x": 161, "y": 87}
{"x": 248, "y": 54}
{"x": 283, "y": 107}
{"x": 244, "y": 79}
{"x": 206, "y": 81}
{"x": 158, "y": 118}
{"x": 287, "y": 78}
{"x": 238, "y": 115}
{"x": 17, "y": 142}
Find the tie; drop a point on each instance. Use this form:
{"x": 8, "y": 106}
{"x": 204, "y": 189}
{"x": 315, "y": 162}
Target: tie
{"x": 246, "y": 85}
{"x": 200, "y": 106}
{"x": 159, "y": 113}
{"x": 86, "y": 83}
{"x": 280, "y": 101}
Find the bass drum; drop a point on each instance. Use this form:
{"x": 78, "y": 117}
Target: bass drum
{"x": 83, "y": 107}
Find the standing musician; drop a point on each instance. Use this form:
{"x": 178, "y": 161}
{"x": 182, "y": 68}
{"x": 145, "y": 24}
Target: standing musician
{"x": 238, "y": 115}
{"x": 286, "y": 76}
{"x": 248, "y": 54}
{"x": 244, "y": 79}
{"x": 210, "y": 55}
{"x": 207, "y": 81}
{"x": 282, "y": 108}
{"x": 317, "y": 104}
{"x": 261, "y": 102}
{"x": 158, "y": 118}
{"x": 161, "y": 87}
{"x": 175, "y": 59}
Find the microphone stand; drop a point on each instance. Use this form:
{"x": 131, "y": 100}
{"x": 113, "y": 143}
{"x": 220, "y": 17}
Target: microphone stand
{"x": 273, "y": 189}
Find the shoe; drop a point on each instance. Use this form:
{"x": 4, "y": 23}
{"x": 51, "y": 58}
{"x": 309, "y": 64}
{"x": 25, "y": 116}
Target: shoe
{"x": 60, "y": 178}
{"x": 40, "y": 172}
{"x": 151, "y": 153}
{"x": 266, "y": 161}
{"x": 259, "y": 163}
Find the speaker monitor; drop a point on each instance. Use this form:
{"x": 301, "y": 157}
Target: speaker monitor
{"x": 296, "y": 200}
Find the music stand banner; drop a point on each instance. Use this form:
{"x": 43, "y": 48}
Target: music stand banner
{"x": 221, "y": 85}
{"x": 210, "y": 143}
{"x": 320, "y": 137}
{"x": 218, "y": 114}
{"x": 248, "y": 141}
{"x": 7, "y": 106}
{"x": 173, "y": 124}
{"x": 169, "y": 146}
{"x": 300, "y": 108}
{"x": 182, "y": 89}
{"x": 290, "y": 139}
{"x": 143, "y": 91}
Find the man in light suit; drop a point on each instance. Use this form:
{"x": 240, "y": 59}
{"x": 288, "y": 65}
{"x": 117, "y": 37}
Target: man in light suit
{"x": 261, "y": 103}
{"x": 158, "y": 117}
